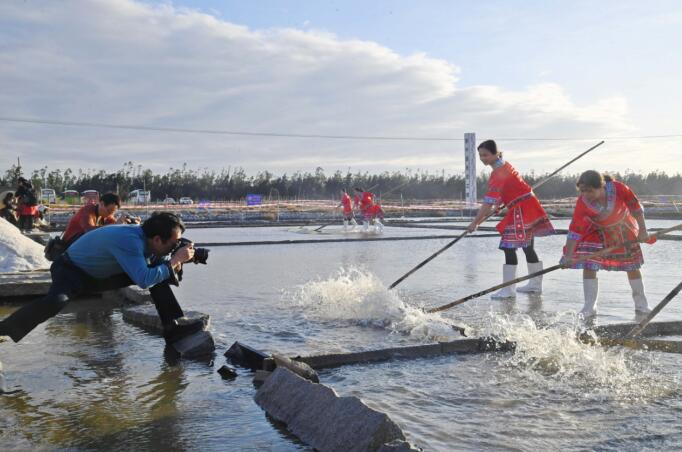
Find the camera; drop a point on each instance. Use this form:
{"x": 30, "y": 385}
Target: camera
{"x": 200, "y": 254}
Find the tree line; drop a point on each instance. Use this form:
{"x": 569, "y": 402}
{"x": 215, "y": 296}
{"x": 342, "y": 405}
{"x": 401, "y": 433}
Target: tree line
{"x": 235, "y": 184}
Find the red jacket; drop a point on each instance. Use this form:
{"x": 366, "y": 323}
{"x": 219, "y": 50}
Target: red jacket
{"x": 85, "y": 220}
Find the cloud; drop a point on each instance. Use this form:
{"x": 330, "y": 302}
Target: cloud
{"x": 125, "y": 62}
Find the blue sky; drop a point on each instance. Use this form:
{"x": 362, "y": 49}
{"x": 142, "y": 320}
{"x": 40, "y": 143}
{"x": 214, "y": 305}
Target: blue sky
{"x": 424, "y": 69}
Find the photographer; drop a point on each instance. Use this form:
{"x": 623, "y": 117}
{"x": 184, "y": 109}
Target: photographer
{"x": 27, "y": 204}
{"x": 111, "y": 258}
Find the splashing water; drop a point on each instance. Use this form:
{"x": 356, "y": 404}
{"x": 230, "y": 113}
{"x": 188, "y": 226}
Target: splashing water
{"x": 552, "y": 355}
{"x": 357, "y": 296}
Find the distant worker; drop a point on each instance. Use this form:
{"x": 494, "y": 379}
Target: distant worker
{"x": 525, "y": 219}
{"x": 377, "y": 215}
{"x": 27, "y": 207}
{"x": 8, "y": 208}
{"x": 92, "y": 216}
{"x": 607, "y": 214}
{"x": 364, "y": 200}
{"x": 346, "y": 203}
{"x": 150, "y": 255}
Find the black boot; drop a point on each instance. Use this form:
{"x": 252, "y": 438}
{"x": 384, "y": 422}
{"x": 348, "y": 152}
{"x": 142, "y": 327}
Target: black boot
{"x": 175, "y": 331}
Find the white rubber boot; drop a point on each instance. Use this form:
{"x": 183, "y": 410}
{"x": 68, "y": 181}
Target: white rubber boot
{"x": 641, "y": 303}
{"x": 378, "y": 225}
{"x": 345, "y": 225}
{"x": 508, "y": 273}
{"x": 353, "y": 222}
{"x": 365, "y": 226}
{"x": 591, "y": 292}
{"x": 534, "y": 284}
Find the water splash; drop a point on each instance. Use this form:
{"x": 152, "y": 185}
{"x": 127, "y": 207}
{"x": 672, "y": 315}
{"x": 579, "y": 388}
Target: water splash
{"x": 357, "y": 296}
{"x": 552, "y": 355}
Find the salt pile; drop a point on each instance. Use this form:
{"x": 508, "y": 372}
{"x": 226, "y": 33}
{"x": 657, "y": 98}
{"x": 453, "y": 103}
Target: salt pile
{"x": 17, "y": 252}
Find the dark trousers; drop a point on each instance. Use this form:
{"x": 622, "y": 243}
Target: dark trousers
{"x": 26, "y": 222}
{"x": 69, "y": 281}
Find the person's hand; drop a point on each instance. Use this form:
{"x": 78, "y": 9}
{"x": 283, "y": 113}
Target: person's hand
{"x": 566, "y": 261}
{"x": 472, "y": 227}
{"x": 643, "y": 236}
{"x": 184, "y": 254}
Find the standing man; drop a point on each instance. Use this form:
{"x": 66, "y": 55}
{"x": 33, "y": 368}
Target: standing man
{"x": 110, "y": 258}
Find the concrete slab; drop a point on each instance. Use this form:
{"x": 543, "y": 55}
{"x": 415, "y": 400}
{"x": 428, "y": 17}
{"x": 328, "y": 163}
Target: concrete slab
{"x": 320, "y": 418}
{"x": 136, "y": 295}
{"x": 25, "y": 284}
{"x": 245, "y": 356}
{"x": 670, "y": 328}
{"x": 195, "y": 345}
{"x": 147, "y": 317}
{"x": 299, "y": 368}
{"x": 483, "y": 345}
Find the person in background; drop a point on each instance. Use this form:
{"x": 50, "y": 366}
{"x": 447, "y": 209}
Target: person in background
{"x": 92, "y": 216}
{"x": 27, "y": 204}
{"x": 8, "y": 208}
{"x": 364, "y": 200}
{"x": 346, "y": 203}
{"x": 525, "y": 219}
{"x": 607, "y": 214}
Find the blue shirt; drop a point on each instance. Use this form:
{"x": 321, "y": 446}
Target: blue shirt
{"x": 116, "y": 249}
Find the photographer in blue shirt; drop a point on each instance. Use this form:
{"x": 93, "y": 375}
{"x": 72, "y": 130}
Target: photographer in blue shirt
{"x": 110, "y": 258}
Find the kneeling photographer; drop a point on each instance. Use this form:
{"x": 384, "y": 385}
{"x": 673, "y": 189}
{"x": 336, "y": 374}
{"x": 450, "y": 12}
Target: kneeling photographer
{"x": 115, "y": 257}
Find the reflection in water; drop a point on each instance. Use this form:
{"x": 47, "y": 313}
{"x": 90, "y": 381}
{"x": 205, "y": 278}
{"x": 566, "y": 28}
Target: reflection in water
{"x": 89, "y": 380}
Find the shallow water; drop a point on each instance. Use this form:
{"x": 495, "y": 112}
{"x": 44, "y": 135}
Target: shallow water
{"x": 89, "y": 380}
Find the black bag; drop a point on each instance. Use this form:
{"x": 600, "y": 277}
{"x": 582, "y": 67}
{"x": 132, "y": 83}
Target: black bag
{"x": 54, "y": 248}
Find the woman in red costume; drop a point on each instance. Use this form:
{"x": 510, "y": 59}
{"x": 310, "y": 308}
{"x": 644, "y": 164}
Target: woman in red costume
{"x": 525, "y": 218}
{"x": 364, "y": 200}
{"x": 607, "y": 214}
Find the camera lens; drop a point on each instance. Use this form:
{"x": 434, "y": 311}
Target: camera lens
{"x": 200, "y": 255}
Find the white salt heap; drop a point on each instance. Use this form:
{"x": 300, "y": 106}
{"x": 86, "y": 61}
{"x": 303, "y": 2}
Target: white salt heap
{"x": 17, "y": 252}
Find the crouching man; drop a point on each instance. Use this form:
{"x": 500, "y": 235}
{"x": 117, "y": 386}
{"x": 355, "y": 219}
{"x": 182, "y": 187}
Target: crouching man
{"x": 111, "y": 258}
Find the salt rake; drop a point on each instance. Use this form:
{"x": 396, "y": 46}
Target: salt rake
{"x": 491, "y": 214}
{"x": 560, "y": 266}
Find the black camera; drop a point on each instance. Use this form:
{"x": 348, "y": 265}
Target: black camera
{"x": 200, "y": 254}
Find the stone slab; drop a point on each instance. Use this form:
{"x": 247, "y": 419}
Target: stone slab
{"x": 323, "y": 420}
{"x": 227, "y": 372}
{"x": 260, "y": 376}
{"x": 481, "y": 345}
{"x": 147, "y": 317}
{"x": 22, "y": 284}
{"x": 136, "y": 295}
{"x": 195, "y": 345}
{"x": 245, "y": 356}
{"x": 299, "y": 368}
{"x": 3, "y": 383}
{"x": 671, "y": 328}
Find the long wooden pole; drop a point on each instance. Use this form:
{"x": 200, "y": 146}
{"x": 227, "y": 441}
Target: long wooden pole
{"x": 643, "y": 324}
{"x": 551, "y": 269}
{"x": 458, "y": 238}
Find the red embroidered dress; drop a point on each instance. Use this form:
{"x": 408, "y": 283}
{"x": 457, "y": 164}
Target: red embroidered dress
{"x": 597, "y": 227}
{"x": 525, "y": 218}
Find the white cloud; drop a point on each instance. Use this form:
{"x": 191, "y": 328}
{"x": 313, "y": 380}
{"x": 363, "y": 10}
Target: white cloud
{"x": 128, "y": 63}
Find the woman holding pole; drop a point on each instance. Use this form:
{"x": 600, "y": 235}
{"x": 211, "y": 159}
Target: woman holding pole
{"x": 525, "y": 218}
{"x": 607, "y": 214}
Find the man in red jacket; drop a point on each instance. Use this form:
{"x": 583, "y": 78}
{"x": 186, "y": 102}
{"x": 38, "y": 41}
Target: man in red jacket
{"x": 93, "y": 216}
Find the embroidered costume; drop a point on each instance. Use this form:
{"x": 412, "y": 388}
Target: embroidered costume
{"x": 596, "y": 227}
{"x": 525, "y": 218}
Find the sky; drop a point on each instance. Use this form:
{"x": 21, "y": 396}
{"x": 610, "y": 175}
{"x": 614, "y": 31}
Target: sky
{"x": 546, "y": 79}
